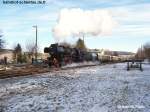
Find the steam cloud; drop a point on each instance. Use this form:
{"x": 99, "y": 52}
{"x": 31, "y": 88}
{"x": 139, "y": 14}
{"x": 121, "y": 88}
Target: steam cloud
{"x": 77, "y": 21}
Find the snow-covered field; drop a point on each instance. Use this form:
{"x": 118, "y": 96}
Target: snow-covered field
{"x": 108, "y": 88}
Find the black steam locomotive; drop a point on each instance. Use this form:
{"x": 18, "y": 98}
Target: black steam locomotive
{"x": 62, "y": 55}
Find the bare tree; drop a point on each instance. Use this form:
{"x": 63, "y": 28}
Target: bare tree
{"x": 140, "y": 53}
{"x": 2, "y": 42}
{"x": 147, "y": 50}
{"x": 31, "y": 49}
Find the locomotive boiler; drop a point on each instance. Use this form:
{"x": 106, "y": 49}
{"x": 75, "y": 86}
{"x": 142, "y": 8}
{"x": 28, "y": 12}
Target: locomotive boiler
{"x": 61, "y": 55}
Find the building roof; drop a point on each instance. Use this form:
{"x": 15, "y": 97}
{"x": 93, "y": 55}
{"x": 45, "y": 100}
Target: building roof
{"x": 5, "y": 50}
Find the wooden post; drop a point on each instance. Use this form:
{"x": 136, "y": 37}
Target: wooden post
{"x": 141, "y": 66}
{"x": 128, "y": 66}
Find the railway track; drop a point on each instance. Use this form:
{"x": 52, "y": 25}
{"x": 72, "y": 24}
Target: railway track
{"x": 23, "y": 71}
{"x": 33, "y": 70}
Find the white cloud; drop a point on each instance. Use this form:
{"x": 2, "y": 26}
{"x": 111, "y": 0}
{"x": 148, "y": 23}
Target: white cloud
{"x": 133, "y": 31}
{"x": 134, "y": 20}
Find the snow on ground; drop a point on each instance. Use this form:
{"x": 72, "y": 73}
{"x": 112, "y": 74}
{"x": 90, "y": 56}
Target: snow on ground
{"x": 107, "y": 88}
{"x": 81, "y": 64}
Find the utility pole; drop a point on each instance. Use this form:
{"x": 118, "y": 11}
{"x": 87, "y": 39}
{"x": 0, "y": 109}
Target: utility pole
{"x": 35, "y": 42}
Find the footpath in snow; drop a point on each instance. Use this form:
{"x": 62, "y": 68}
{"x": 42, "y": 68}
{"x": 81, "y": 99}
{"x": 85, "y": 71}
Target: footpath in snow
{"x": 108, "y": 88}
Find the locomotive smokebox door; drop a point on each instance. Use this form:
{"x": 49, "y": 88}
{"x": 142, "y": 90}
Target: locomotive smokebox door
{"x": 46, "y": 50}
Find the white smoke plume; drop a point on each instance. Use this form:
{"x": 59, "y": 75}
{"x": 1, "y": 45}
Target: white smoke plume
{"x": 77, "y": 21}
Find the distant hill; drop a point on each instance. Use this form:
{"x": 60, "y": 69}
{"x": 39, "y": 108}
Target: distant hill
{"x": 124, "y": 53}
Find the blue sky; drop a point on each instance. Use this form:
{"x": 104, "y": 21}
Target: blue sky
{"x": 133, "y": 17}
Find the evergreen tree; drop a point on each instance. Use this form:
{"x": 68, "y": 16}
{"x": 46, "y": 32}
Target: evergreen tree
{"x": 18, "y": 53}
{"x": 80, "y": 44}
